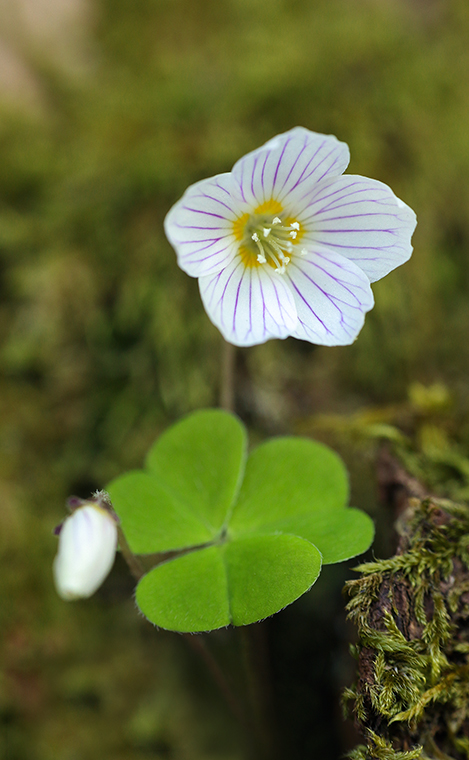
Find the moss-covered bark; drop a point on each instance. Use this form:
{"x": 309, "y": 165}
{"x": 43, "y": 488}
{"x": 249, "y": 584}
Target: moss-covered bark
{"x": 412, "y": 612}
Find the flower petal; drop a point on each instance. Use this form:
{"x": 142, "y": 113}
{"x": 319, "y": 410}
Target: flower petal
{"x": 332, "y": 295}
{"x": 87, "y": 546}
{"x": 361, "y": 219}
{"x": 200, "y": 226}
{"x": 290, "y": 162}
{"x": 249, "y": 305}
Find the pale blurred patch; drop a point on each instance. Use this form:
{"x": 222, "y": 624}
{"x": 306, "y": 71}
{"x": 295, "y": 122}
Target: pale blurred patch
{"x": 48, "y": 33}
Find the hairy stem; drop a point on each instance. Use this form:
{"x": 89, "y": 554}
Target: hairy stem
{"x": 196, "y": 642}
{"x": 227, "y": 394}
{"x": 259, "y": 688}
{"x": 133, "y": 562}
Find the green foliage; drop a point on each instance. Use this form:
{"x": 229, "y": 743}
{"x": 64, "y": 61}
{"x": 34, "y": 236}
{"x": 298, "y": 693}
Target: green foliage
{"x": 411, "y": 613}
{"x": 428, "y": 433}
{"x": 257, "y": 531}
{"x": 104, "y": 342}
{"x": 380, "y": 749}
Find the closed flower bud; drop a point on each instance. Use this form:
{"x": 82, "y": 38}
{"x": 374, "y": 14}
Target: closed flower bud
{"x": 87, "y": 545}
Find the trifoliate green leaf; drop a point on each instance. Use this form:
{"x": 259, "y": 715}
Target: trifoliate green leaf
{"x": 256, "y": 531}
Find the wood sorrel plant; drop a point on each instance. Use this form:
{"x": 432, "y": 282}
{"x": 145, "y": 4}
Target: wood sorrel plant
{"x": 283, "y": 245}
{"x": 251, "y": 532}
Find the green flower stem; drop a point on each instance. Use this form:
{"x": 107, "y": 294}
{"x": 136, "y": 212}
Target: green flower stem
{"x": 227, "y": 396}
{"x": 254, "y": 655}
{"x": 135, "y": 566}
{"x": 195, "y": 642}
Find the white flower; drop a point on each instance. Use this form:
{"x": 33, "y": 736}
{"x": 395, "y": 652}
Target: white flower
{"x": 284, "y": 245}
{"x": 87, "y": 546}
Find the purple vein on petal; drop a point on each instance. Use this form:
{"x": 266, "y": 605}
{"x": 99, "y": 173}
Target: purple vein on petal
{"x": 236, "y": 300}
{"x": 359, "y": 216}
{"x": 301, "y": 178}
{"x": 192, "y": 260}
{"x": 321, "y": 162}
{"x": 287, "y": 142}
{"x": 205, "y": 213}
{"x": 210, "y": 241}
{"x": 336, "y": 279}
{"x": 215, "y": 280}
{"x": 330, "y": 166}
{"x": 240, "y": 183}
{"x": 344, "y": 193}
{"x": 315, "y": 192}
{"x": 262, "y": 174}
{"x": 349, "y": 232}
{"x": 332, "y": 299}
{"x": 249, "y": 330}
{"x": 252, "y": 176}
{"x": 341, "y": 201}
{"x": 329, "y": 170}
{"x": 317, "y": 254}
{"x": 292, "y": 168}
{"x": 197, "y": 227}
{"x": 331, "y": 207}
{"x": 215, "y": 200}
{"x": 357, "y": 247}
{"x": 264, "y": 307}
{"x": 281, "y": 309}
{"x": 204, "y": 247}
{"x": 309, "y": 307}
{"x": 220, "y": 187}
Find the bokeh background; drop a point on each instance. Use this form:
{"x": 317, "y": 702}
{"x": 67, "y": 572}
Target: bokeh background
{"x": 108, "y": 110}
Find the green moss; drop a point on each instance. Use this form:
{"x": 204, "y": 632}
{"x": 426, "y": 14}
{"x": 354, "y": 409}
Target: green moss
{"x": 411, "y": 612}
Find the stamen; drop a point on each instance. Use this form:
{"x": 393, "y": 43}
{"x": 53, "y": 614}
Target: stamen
{"x": 261, "y": 255}
{"x": 275, "y": 241}
{"x": 276, "y": 261}
{"x": 303, "y": 252}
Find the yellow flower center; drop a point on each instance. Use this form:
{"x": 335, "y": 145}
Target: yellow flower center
{"x": 267, "y": 236}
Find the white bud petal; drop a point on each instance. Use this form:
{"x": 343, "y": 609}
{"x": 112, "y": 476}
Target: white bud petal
{"x": 87, "y": 546}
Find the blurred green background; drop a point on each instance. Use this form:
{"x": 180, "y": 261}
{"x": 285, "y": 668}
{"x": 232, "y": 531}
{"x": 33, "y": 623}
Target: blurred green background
{"x": 109, "y": 109}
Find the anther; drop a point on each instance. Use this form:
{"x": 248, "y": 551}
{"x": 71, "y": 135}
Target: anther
{"x": 293, "y": 234}
{"x": 276, "y": 220}
{"x": 261, "y": 258}
{"x": 295, "y": 226}
{"x": 255, "y": 237}
{"x": 266, "y": 231}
